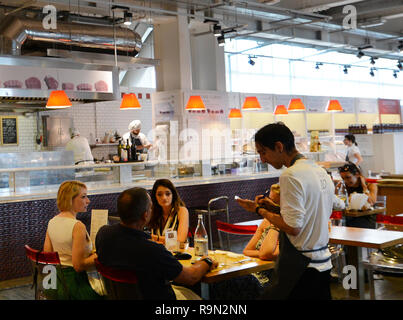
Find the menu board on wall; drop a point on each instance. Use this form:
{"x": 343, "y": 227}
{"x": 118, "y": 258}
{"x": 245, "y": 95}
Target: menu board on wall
{"x": 348, "y": 104}
{"x": 389, "y": 106}
{"x": 366, "y": 105}
{"x": 9, "y": 131}
{"x": 316, "y": 104}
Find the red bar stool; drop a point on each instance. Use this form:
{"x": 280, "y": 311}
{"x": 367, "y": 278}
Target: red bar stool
{"x": 229, "y": 228}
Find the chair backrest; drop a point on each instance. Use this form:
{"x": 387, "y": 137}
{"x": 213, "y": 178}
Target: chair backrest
{"x": 235, "y": 229}
{"x": 120, "y": 284}
{"x": 39, "y": 260}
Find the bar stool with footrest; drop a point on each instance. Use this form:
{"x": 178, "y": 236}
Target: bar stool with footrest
{"x": 120, "y": 284}
{"x": 40, "y": 261}
{"x": 233, "y": 229}
{"x": 212, "y": 212}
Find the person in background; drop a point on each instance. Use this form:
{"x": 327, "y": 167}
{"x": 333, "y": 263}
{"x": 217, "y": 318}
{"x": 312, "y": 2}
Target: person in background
{"x": 80, "y": 147}
{"x": 353, "y": 152}
{"x": 136, "y": 137}
{"x": 69, "y": 237}
{"x": 126, "y": 246}
{"x": 302, "y": 269}
{"x": 355, "y": 182}
{"x": 169, "y": 212}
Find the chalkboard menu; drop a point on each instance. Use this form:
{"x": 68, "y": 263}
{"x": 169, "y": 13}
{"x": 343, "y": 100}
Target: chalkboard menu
{"x": 9, "y": 130}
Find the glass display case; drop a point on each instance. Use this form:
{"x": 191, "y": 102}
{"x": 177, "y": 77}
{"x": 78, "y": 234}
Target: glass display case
{"x": 40, "y": 173}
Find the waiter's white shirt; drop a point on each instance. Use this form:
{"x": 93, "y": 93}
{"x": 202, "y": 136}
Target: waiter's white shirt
{"x": 351, "y": 151}
{"x": 81, "y": 148}
{"x": 306, "y": 199}
{"x": 141, "y": 136}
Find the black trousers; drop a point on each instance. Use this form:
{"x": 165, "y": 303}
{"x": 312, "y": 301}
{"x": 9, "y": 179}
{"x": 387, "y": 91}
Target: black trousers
{"x": 313, "y": 285}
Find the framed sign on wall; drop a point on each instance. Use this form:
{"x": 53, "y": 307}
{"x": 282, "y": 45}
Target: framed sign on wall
{"x": 9, "y": 130}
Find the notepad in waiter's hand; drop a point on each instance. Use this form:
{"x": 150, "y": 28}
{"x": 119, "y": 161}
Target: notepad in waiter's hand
{"x": 99, "y": 218}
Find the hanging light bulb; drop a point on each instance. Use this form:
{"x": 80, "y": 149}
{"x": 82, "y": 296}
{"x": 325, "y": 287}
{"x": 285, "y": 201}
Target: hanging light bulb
{"x": 195, "y": 103}
{"x": 130, "y": 101}
{"x": 334, "y": 106}
{"x": 58, "y": 99}
{"x": 280, "y": 109}
{"x": 235, "y": 113}
{"x": 251, "y": 103}
{"x": 296, "y": 105}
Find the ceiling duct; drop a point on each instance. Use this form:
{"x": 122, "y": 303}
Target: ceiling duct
{"x": 17, "y": 31}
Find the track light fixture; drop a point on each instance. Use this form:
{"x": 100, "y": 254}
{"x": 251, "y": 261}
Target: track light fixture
{"x": 345, "y": 70}
{"x": 400, "y": 46}
{"x": 360, "y": 54}
{"x": 399, "y": 65}
{"x": 395, "y": 73}
{"x": 217, "y": 30}
{"x": 372, "y": 73}
{"x": 372, "y": 61}
{"x": 221, "y": 40}
{"x": 251, "y": 62}
{"x": 127, "y": 20}
{"x": 318, "y": 64}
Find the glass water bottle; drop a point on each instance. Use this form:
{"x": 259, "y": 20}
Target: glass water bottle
{"x": 201, "y": 238}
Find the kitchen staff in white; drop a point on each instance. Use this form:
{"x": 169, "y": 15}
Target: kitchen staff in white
{"x": 353, "y": 154}
{"x": 80, "y": 146}
{"x": 137, "y": 137}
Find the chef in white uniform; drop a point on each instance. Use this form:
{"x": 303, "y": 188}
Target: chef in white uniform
{"x": 137, "y": 137}
{"x": 80, "y": 146}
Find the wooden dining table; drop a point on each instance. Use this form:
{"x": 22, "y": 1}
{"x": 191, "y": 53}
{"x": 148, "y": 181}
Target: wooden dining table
{"x": 235, "y": 265}
{"x": 361, "y": 238}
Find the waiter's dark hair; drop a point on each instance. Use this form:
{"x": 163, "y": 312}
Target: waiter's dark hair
{"x": 351, "y": 137}
{"x": 132, "y": 203}
{"x": 276, "y": 132}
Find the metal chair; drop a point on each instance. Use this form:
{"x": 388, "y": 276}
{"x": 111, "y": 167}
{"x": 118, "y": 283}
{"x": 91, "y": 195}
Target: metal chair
{"x": 39, "y": 261}
{"x": 213, "y": 212}
{"x": 233, "y": 229}
{"x": 120, "y": 284}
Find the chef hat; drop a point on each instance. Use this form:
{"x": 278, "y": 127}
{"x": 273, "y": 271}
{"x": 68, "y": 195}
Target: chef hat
{"x": 74, "y": 132}
{"x": 135, "y": 125}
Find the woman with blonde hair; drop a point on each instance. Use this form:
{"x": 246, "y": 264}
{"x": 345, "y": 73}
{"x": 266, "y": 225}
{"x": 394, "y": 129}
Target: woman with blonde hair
{"x": 69, "y": 237}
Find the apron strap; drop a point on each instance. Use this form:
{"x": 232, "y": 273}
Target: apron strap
{"x": 314, "y": 250}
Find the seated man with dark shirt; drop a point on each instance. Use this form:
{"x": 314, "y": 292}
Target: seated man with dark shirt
{"x": 126, "y": 246}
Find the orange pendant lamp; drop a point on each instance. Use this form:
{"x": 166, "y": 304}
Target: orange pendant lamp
{"x": 280, "y": 109}
{"x": 58, "y": 99}
{"x": 234, "y": 114}
{"x": 130, "y": 101}
{"x": 296, "y": 105}
{"x": 251, "y": 103}
{"x": 195, "y": 103}
{"x": 334, "y": 106}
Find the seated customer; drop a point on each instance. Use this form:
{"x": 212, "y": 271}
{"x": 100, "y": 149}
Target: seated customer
{"x": 355, "y": 182}
{"x": 169, "y": 212}
{"x": 126, "y": 246}
{"x": 263, "y": 245}
{"x": 70, "y": 239}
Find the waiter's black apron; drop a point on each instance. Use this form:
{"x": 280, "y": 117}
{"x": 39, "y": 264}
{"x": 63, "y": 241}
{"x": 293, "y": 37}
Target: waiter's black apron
{"x": 290, "y": 266}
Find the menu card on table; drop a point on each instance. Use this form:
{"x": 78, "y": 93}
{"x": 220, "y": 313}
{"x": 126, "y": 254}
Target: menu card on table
{"x": 99, "y": 218}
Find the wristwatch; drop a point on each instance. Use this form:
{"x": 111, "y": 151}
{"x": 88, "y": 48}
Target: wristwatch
{"x": 208, "y": 261}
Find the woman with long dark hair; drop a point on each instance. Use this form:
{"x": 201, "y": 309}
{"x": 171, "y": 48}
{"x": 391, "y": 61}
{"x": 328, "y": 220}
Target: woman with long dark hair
{"x": 169, "y": 212}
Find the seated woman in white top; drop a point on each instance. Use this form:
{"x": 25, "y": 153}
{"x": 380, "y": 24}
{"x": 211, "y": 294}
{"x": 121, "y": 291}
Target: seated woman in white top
{"x": 70, "y": 239}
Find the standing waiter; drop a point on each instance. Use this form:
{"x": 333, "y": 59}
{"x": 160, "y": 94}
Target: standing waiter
{"x": 303, "y": 266}
{"x": 136, "y": 137}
